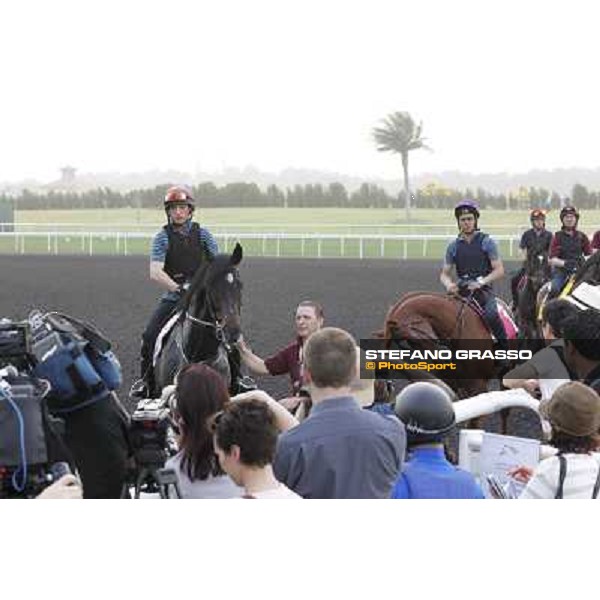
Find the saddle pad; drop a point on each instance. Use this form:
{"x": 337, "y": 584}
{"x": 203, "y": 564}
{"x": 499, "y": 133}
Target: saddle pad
{"x": 162, "y": 335}
{"x": 510, "y": 327}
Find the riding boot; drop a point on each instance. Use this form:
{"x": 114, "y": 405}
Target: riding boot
{"x": 240, "y": 383}
{"x": 142, "y": 388}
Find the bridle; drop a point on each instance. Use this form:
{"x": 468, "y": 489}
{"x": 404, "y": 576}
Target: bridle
{"x": 217, "y": 324}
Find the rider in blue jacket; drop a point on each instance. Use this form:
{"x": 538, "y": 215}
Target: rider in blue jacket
{"x": 475, "y": 256}
{"x": 428, "y": 416}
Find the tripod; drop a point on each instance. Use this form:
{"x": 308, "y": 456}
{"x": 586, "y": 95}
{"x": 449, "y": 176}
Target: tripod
{"x": 153, "y": 479}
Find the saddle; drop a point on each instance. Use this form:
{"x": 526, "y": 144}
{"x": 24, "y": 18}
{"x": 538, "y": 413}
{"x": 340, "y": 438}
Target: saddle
{"x": 508, "y": 322}
{"x": 162, "y": 335}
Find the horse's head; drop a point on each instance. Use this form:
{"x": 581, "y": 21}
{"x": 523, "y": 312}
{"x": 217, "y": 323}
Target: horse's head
{"x": 537, "y": 267}
{"x": 215, "y": 296}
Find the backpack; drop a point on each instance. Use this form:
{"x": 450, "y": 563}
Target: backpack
{"x": 75, "y": 358}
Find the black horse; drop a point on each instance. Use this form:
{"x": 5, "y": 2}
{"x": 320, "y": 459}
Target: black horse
{"x": 208, "y": 323}
{"x": 589, "y": 271}
{"x": 537, "y": 273}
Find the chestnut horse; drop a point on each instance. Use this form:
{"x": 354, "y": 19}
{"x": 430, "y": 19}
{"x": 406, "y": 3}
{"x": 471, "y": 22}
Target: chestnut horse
{"x": 426, "y": 320}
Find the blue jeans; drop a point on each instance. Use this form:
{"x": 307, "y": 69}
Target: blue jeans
{"x": 487, "y": 301}
{"x": 559, "y": 278}
{"x": 163, "y": 311}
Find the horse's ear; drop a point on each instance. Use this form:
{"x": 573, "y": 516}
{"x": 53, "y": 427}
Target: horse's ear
{"x": 236, "y": 257}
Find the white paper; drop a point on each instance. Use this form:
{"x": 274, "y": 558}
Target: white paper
{"x": 500, "y": 453}
{"x": 549, "y": 386}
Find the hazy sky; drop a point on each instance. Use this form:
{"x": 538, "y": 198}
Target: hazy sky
{"x": 131, "y": 86}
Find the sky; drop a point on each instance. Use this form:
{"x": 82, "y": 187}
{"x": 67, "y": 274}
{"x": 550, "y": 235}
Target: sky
{"x": 190, "y": 85}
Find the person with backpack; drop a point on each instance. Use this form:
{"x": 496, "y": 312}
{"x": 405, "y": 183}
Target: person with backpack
{"x": 574, "y": 473}
{"x": 428, "y": 416}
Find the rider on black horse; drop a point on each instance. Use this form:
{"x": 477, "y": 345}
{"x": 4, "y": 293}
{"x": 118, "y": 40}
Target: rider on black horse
{"x": 535, "y": 240}
{"x": 178, "y": 250}
{"x": 478, "y": 264}
{"x": 568, "y": 249}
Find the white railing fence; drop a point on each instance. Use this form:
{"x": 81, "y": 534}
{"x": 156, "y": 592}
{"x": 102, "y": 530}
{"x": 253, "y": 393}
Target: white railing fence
{"x": 272, "y": 244}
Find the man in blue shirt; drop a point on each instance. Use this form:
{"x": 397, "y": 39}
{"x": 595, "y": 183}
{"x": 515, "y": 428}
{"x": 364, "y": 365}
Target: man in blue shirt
{"x": 478, "y": 264}
{"x": 178, "y": 249}
{"x": 428, "y": 416}
{"x": 340, "y": 450}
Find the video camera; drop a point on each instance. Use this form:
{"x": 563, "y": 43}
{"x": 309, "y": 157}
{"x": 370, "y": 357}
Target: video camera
{"x": 152, "y": 439}
{"x": 30, "y": 457}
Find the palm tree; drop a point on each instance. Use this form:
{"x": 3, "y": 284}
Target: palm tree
{"x": 400, "y": 134}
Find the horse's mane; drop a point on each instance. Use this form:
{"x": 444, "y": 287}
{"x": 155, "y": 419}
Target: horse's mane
{"x": 207, "y": 271}
{"x": 589, "y": 271}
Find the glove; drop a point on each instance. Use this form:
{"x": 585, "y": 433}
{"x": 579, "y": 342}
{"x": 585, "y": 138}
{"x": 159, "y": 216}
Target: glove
{"x": 571, "y": 265}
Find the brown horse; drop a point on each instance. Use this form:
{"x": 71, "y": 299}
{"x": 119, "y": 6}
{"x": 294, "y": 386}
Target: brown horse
{"x": 426, "y": 320}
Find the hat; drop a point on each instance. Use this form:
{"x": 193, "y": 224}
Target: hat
{"x": 585, "y": 296}
{"x": 574, "y": 408}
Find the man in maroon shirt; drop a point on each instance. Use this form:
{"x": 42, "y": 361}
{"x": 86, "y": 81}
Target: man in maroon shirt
{"x": 568, "y": 249}
{"x": 596, "y": 242}
{"x": 309, "y": 318}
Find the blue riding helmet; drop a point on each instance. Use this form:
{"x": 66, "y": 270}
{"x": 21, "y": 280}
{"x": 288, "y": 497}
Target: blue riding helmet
{"x": 466, "y": 206}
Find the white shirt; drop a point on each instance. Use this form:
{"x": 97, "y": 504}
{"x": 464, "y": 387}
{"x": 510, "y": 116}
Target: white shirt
{"x": 281, "y": 492}
{"x": 582, "y": 471}
{"x": 212, "y": 488}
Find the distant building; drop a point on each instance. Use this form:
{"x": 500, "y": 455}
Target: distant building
{"x": 68, "y": 181}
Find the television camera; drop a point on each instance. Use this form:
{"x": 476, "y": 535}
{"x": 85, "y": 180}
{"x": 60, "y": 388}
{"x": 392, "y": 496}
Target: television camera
{"x": 32, "y": 455}
{"x": 152, "y": 440}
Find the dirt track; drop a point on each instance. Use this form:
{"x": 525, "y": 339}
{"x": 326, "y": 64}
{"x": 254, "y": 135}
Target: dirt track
{"x": 115, "y": 294}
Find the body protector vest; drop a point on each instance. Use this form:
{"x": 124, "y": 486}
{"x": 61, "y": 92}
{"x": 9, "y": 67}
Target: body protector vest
{"x": 536, "y": 243}
{"x": 571, "y": 246}
{"x": 184, "y": 255}
{"x": 471, "y": 260}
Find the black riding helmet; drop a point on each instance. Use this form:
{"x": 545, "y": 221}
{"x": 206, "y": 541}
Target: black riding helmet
{"x": 426, "y": 411}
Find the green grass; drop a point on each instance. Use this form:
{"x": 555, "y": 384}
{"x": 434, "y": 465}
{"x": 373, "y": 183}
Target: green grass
{"x": 70, "y": 231}
{"x": 292, "y": 219}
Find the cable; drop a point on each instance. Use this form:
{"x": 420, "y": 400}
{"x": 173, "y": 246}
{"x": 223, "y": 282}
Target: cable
{"x": 7, "y": 395}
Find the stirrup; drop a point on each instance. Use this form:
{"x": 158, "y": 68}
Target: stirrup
{"x": 139, "y": 389}
{"x": 243, "y": 384}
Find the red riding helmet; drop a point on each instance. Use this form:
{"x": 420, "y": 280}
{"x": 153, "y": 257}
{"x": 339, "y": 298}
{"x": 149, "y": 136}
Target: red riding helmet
{"x": 178, "y": 194}
{"x": 537, "y": 213}
{"x": 569, "y": 210}
{"x": 466, "y": 206}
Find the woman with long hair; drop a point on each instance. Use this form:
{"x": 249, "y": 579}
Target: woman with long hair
{"x": 200, "y": 394}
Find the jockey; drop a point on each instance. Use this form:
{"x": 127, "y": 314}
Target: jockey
{"x": 568, "y": 249}
{"x": 178, "y": 249}
{"x": 478, "y": 264}
{"x": 535, "y": 240}
{"x": 428, "y": 416}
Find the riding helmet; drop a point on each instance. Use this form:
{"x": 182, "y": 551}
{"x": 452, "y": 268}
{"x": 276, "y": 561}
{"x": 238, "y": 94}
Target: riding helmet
{"x": 426, "y": 411}
{"x": 569, "y": 210}
{"x": 178, "y": 194}
{"x": 466, "y": 206}
{"x": 537, "y": 213}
